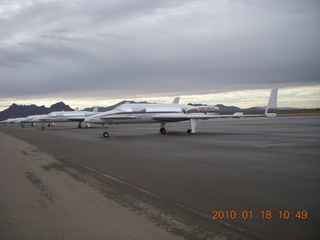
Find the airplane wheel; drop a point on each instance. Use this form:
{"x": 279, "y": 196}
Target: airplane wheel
{"x": 189, "y": 131}
{"x": 163, "y": 131}
{"x": 106, "y": 134}
{"x": 79, "y": 126}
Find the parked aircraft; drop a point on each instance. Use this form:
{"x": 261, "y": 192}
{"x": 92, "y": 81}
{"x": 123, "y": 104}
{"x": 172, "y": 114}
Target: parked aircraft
{"x": 8, "y": 121}
{"x": 67, "y": 116}
{"x": 38, "y": 119}
{"x": 23, "y": 120}
{"x": 163, "y": 113}
{"x": 29, "y": 119}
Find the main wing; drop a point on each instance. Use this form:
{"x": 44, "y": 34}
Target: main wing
{"x": 118, "y": 117}
{"x": 176, "y": 117}
{"x": 76, "y": 119}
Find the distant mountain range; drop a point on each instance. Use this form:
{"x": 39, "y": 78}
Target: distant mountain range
{"x": 15, "y": 110}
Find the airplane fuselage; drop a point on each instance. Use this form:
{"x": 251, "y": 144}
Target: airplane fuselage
{"x": 146, "y": 113}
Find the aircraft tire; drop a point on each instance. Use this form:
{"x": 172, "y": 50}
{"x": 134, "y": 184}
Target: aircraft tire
{"x": 106, "y": 134}
{"x": 163, "y": 131}
{"x": 189, "y": 131}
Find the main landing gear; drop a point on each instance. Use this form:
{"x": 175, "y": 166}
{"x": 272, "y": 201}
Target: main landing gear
{"x": 49, "y": 125}
{"x": 189, "y": 131}
{"x": 162, "y": 129}
{"x": 193, "y": 123}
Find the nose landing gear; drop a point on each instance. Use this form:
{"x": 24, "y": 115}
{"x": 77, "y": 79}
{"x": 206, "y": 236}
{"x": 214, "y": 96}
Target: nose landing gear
{"x": 106, "y": 134}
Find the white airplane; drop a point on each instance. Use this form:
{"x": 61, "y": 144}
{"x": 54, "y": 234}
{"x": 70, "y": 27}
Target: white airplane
{"x": 24, "y": 120}
{"x": 59, "y": 116}
{"x": 8, "y": 121}
{"x": 30, "y": 119}
{"x": 40, "y": 119}
{"x": 67, "y": 116}
{"x": 163, "y": 113}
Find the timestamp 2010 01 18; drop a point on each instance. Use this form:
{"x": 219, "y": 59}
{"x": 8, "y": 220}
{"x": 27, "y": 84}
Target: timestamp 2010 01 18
{"x": 264, "y": 214}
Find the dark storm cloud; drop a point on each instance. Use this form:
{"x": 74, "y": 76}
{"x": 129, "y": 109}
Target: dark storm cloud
{"x": 134, "y": 47}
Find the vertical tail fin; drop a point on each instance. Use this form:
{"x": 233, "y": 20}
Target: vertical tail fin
{"x": 271, "y": 110}
{"x": 176, "y": 100}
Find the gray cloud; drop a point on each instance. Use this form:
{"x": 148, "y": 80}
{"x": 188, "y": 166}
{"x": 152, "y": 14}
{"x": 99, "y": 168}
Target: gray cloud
{"x": 126, "y": 48}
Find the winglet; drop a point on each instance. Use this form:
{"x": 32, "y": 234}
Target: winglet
{"x": 176, "y": 100}
{"x": 95, "y": 109}
{"x": 271, "y": 110}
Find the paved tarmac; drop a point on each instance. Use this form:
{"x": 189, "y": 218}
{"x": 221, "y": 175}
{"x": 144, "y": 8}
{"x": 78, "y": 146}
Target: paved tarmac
{"x": 257, "y": 168}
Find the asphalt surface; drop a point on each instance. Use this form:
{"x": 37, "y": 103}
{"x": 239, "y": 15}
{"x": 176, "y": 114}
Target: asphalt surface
{"x": 254, "y": 167}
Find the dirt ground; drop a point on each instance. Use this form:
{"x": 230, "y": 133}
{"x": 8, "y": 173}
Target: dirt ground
{"x": 38, "y": 201}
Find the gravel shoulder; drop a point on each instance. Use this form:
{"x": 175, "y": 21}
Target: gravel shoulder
{"x": 38, "y": 201}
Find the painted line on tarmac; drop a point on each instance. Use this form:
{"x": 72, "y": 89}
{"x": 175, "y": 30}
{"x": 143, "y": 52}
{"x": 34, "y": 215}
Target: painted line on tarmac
{"x": 286, "y": 143}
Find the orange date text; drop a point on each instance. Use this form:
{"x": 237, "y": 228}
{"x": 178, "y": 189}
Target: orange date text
{"x": 264, "y": 214}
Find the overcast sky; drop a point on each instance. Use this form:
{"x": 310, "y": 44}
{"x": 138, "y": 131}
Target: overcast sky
{"x": 88, "y": 52}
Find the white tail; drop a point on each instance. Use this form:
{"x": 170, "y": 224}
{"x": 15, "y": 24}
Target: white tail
{"x": 176, "y": 100}
{"x": 271, "y": 110}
